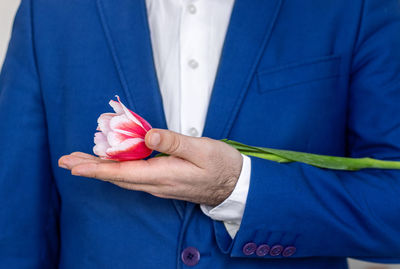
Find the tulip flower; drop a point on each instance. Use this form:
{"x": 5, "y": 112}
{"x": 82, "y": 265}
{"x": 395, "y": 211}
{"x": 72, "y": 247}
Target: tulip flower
{"x": 121, "y": 136}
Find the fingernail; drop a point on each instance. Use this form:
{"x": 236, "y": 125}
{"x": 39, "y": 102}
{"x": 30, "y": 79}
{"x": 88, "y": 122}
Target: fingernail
{"x": 155, "y": 139}
{"x": 63, "y": 166}
{"x": 76, "y": 172}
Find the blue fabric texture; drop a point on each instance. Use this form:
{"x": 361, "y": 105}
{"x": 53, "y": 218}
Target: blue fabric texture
{"x": 306, "y": 75}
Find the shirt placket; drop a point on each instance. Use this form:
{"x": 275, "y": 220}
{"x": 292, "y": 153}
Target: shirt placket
{"x": 193, "y": 67}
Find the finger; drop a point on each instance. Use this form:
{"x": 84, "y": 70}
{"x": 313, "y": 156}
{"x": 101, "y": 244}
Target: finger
{"x": 137, "y": 187}
{"x": 169, "y": 142}
{"x": 89, "y": 156}
{"x": 69, "y": 161}
{"x": 137, "y": 172}
{"x": 84, "y": 155}
{"x": 155, "y": 190}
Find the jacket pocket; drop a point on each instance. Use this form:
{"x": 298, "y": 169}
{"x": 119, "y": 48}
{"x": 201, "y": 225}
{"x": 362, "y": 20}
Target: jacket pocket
{"x": 298, "y": 73}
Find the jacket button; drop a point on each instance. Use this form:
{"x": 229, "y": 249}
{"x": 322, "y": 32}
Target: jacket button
{"x": 249, "y": 248}
{"x": 289, "y": 251}
{"x": 276, "y": 250}
{"x": 262, "y": 250}
{"x": 190, "y": 256}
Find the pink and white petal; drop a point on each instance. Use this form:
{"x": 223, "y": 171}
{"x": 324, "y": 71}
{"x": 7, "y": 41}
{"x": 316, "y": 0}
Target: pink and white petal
{"x": 139, "y": 153}
{"x": 116, "y": 138}
{"x": 125, "y": 145}
{"x": 128, "y": 113}
{"x": 104, "y": 122}
{"x": 117, "y": 107}
{"x": 101, "y": 145}
{"x": 100, "y": 151}
{"x": 124, "y": 125}
{"x": 145, "y": 124}
{"x": 130, "y": 149}
{"x": 100, "y": 138}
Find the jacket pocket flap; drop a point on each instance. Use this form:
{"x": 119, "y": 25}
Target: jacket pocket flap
{"x": 298, "y": 73}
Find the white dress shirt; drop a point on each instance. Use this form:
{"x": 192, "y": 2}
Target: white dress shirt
{"x": 187, "y": 39}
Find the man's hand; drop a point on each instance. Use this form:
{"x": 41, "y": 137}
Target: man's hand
{"x": 198, "y": 170}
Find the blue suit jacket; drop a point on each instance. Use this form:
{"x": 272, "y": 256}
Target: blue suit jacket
{"x": 316, "y": 76}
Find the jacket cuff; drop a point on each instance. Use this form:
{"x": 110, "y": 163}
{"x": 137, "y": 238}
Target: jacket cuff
{"x": 258, "y": 236}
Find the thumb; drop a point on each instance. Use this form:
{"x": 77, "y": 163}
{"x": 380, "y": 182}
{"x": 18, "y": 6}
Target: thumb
{"x": 172, "y": 143}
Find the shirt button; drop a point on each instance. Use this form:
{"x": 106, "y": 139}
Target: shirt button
{"x": 190, "y": 256}
{"x": 193, "y": 132}
{"x": 193, "y": 64}
{"x": 192, "y": 9}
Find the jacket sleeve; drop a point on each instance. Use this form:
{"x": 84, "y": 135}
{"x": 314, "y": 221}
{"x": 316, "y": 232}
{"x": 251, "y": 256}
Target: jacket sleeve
{"x": 29, "y": 200}
{"x": 296, "y": 210}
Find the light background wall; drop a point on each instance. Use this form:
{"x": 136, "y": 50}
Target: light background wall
{"x": 7, "y": 12}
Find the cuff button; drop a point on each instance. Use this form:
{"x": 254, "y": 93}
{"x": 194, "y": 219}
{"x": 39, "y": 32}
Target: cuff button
{"x": 276, "y": 250}
{"x": 249, "y": 248}
{"x": 289, "y": 251}
{"x": 262, "y": 250}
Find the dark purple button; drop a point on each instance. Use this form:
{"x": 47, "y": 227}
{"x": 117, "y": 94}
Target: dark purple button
{"x": 262, "y": 250}
{"x": 289, "y": 251}
{"x": 190, "y": 256}
{"x": 276, "y": 250}
{"x": 249, "y": 248}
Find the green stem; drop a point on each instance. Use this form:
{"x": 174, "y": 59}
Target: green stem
{"x": 321, "y": 161}
{"x": 265, "y": 156}
{"x": 317, "y": 160}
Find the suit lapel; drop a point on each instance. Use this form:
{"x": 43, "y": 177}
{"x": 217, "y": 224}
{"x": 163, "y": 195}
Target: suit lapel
{"x": 127, "y": 31}
{"x": 126, "y": 28}
{"x": 249, "y": 31}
